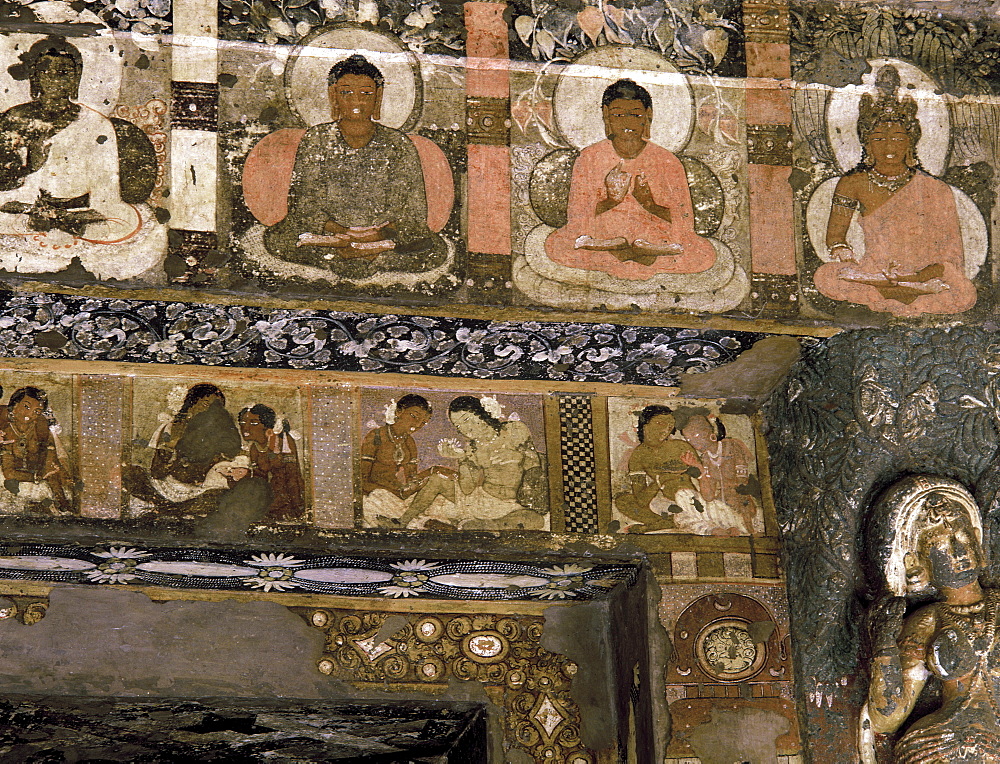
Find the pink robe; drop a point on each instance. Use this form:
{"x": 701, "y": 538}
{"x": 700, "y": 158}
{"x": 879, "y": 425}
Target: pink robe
{"x": 668, "y": 183}
{"x": 917, "y": 227}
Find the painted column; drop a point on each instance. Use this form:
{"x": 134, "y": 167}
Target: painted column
{"x": 487, "y": 123}
{"x": 774, "y": 283}
{"x": 193, "y": 140}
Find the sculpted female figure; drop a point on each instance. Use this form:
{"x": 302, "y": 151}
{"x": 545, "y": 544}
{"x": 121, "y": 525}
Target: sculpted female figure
{"x": 914, "y": 258}
{"x": 938, "y": 547}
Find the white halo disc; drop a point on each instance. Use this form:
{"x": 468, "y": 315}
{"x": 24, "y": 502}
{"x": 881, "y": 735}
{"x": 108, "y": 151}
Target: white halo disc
{"x": 577, "y": 99}
{"x": 309, "y": 66}
{"x": 100, "y": 83}
{"x": 932, "y": 112}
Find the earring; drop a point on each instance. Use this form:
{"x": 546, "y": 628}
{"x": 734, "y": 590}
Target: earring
{"x": 865, "y": 159}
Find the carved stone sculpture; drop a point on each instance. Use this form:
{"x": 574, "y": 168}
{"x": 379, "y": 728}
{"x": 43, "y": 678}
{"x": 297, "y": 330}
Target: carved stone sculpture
{"x": 934, "y": 548}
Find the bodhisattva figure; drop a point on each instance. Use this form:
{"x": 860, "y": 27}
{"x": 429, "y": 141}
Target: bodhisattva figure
{"x": 914, "y": 258}
{"x": 629, "y": 212}
{"x": 937, "y": 547}
{"x": 357, "y": 202}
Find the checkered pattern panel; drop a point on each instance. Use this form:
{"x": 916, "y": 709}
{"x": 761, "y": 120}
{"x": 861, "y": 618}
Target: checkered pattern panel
{"x": 576, "y": 445}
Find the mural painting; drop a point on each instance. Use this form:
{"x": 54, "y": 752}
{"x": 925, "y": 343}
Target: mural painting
{"x": 440, "y": 461}
{"x": 903, "y": 157}
{"x": 82, "y": 152}
{"x": 682, "y": 467}
{"x": 359, "y": 198}
{"x": 37, "y": 445}
{"x": 618, "y": 196}
{"x": 232, "y": 452}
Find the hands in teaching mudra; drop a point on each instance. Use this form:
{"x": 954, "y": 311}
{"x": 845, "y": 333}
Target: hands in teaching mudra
{"x": 618, "y": 183}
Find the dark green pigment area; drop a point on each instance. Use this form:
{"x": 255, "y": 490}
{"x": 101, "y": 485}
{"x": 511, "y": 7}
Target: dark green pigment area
{"x": 85, "y": 729}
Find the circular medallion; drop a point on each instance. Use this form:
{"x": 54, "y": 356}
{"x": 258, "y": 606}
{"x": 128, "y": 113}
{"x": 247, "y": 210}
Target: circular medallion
{"x": 727, "y": 652}
{"x": 485, "y": 647}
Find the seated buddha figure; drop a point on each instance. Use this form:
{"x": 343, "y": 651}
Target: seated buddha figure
{"x": 64, "y": 191}
{"x": 629, "y": 213}
{"x": 356, "y": 201}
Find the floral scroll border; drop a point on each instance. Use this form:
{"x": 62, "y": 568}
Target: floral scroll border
{"x": 105, "y": 329}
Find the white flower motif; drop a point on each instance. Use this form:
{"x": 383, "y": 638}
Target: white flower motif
{"x": 415, "y": 565}
{"x": 271, "y": 578}
{"x": 270, "y": 559}
{"x": 122, "y": 553}
{"x": 390, "y": 412}
{"x": 571, "y": 569}
{"x": 112, "y": 573}
{"x": 551, "y": 594}
{"x": 492, "y": 406}
{"x": 400, "y": 591}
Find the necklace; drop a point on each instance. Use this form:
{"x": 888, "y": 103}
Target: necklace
{"x": 890, "y": 183}
{"x": 398, "y": 455}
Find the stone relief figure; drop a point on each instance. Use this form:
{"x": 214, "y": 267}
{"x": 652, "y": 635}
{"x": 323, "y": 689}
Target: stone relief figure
{"x": 937, "y": 549}
{"x": 897, "y": 239}
{"x": 32, "y": 460}
{"x": 630, "y": 212}
{"x": 621, "y": 228}
{"x": 72, "y": 181}
{"x": 498, "y": 482}
{"x": 352, "y": 198}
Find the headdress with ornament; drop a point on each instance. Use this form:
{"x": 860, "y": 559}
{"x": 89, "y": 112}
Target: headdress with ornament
{"x": 907, "y": 510}
{"x": 886, "y": 108}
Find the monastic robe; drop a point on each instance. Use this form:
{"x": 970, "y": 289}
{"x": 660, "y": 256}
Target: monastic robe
{"x": 917, "y": 227}
{"x": 666, "y": 178}
{"x": 381, "y": 181}
{"x": 75, "y": 171}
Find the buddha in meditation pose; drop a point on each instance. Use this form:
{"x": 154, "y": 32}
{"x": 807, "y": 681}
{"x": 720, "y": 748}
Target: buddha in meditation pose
{"x": 356, "y": 203}
{"x": 629, "y": 212}
{"x": 914, "y": 258}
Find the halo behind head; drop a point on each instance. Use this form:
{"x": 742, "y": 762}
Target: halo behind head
{"x": 900, "y": 516}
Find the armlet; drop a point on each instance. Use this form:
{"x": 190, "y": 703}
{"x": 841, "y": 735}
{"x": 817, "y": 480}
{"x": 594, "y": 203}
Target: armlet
{"x": 846, "y": 202}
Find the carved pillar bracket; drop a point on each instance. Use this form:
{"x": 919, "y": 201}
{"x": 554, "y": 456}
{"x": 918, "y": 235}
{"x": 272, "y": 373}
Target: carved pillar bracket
{"x": 413, "y": 651}
{"x": 26, "y": 609}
